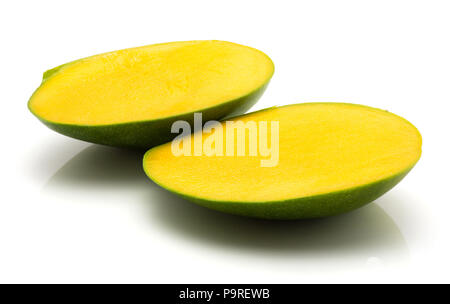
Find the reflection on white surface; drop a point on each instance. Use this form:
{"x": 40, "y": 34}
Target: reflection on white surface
{"x": 101, "y": 167}
{"x": 365, "y": 237}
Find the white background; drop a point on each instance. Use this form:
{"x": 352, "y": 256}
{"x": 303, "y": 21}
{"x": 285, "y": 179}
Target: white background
{"x": 75, "y": 212}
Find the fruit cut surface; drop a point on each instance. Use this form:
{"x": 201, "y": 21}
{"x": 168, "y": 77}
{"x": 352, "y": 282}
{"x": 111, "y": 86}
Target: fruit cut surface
{"x": 147, "y": 84}
{"x": 332, "y": 158}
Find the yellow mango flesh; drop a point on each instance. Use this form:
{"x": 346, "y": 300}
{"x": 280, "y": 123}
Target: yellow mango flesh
{"x": 150, "y": 82}
{"x": 323, "y": 148}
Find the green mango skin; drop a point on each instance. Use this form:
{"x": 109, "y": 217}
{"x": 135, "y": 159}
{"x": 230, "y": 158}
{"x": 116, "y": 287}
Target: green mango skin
{"x": 145, "y": 134}
{"x": 317, "y": 206}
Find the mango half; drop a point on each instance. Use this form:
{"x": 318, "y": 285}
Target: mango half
{"x": 131, "y": 97}
{"x": 333, "y": 158}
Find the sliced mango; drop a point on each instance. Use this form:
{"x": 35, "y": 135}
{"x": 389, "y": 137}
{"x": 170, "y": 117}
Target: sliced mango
{"x": 131, "y": 97}
{"x": 333, "y": 158}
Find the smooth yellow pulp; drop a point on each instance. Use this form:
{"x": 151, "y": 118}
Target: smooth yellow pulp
{"x": 150, "y": 82}
{"x": 323, "y": 147}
